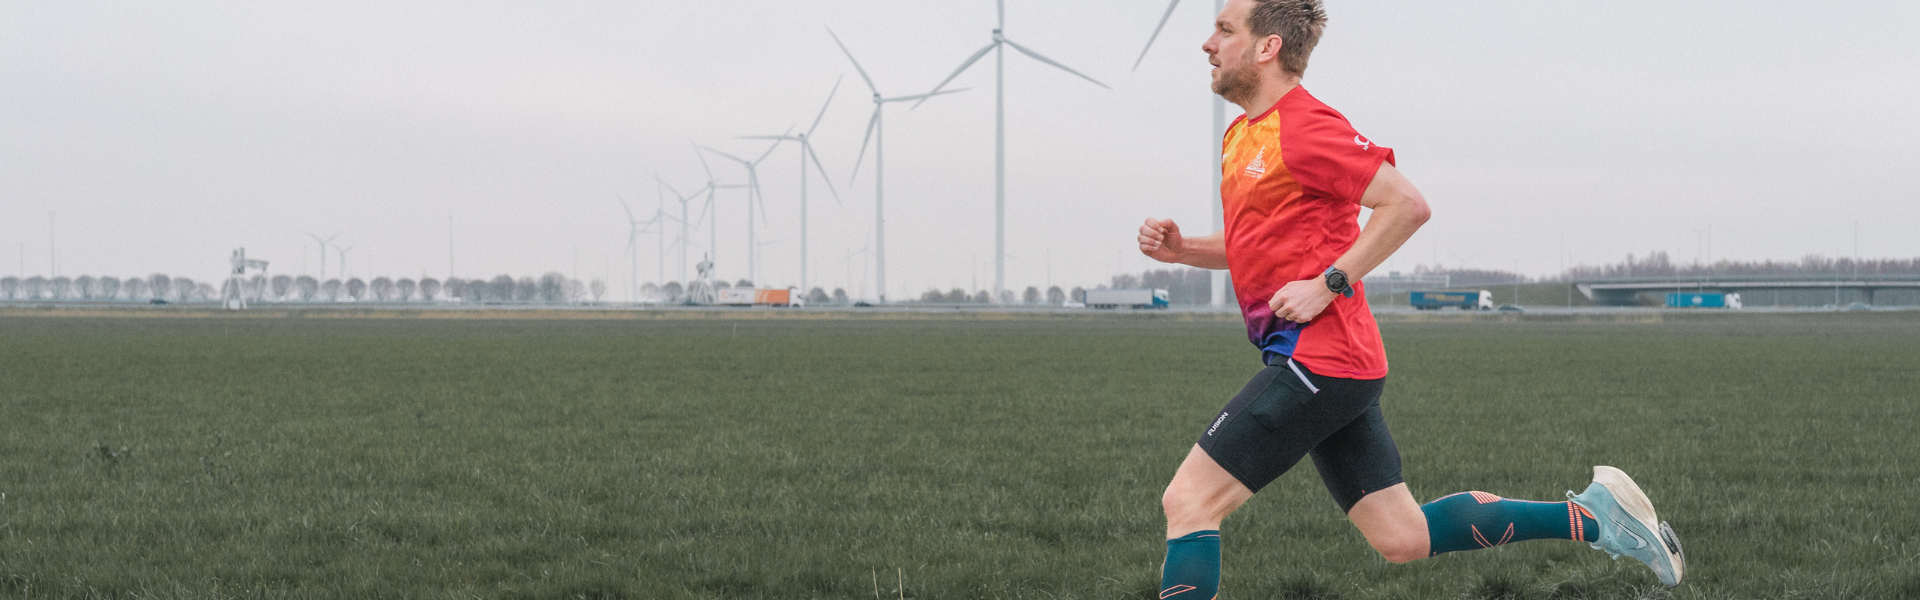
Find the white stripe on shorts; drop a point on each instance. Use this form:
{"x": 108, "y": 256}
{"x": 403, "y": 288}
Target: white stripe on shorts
{"x": 1303, "y": 376}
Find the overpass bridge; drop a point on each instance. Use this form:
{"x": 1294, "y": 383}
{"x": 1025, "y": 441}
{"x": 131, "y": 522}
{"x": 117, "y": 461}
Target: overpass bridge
{"x": 1622, "y": 291}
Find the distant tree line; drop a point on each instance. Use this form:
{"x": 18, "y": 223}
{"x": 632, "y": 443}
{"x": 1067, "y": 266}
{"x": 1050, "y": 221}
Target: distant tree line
{"x": 1032, "y": 296}
{"x": 1191, "y": 286}
{"x": 552, "y": 288}
{"x": 1183, "y": 286}
{"x": 1658, "y": 264}
{"x": 674, "y": 292}
{"x": 87, "y": 287}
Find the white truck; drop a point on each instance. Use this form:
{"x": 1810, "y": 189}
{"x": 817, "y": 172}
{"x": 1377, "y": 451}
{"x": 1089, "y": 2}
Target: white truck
{"x": 1130, "y": 298}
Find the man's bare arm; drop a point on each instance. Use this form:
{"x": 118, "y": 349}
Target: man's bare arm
{"x": 1398, "y": 211}
{"x": 1160, "y": 239}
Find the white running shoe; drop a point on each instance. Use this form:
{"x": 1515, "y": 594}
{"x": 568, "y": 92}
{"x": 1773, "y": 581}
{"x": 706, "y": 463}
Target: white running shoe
{"x": 1628, "y": 525}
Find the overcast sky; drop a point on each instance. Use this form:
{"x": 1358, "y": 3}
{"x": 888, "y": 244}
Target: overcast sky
{"x": 163, "y": 135}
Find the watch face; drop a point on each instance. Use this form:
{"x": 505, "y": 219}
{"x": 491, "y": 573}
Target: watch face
{"x": 1337, "y": 280}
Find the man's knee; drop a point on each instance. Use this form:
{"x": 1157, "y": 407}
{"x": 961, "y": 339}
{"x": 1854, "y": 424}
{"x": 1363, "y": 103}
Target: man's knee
{"x": 1175, "y": 503}
{"x": 1401, "y": 548}
{"x": 1182, "y": 504}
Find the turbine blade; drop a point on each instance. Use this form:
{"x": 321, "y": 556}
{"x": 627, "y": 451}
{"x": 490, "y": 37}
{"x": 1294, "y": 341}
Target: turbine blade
{"x": 735, "y": 158}
{"x": 824, "y": 105}
{"x": 956, "y": 72}
{"x": 864, "y": 139}
{"x": 823, "y": 170}
{"x": 670, "y": 187}
{"x": 623, "y": 206}
{"x": 923, "y": 97}
{"x": 1038, "y": 57}
{"x": 1000, "y": 8}
{"x": 856, "y": 62}
{"x": 762, "y": 203}
{"x": 1156, "y": 34}
{"x": 703, "y": 160}
{"x": 776, "y": 144}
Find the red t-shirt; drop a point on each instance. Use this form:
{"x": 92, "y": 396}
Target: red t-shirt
{"x": 1291, "y": 185}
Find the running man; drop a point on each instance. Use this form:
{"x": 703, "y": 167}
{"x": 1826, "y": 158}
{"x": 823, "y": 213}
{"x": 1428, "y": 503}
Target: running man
{"x": 1295, "y": 175}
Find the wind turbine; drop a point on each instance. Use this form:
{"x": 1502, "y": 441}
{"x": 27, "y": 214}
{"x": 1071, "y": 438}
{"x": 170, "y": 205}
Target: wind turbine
{"x": 713, "y": 225}
{"x": 754, "y": 200}
{"x": 998, "y": 47}
{"x": 806, "y": 152}
{"x": 323, "y": 251}
{"x": 684, "y": 221}
{"x": 1218, "y": 295}
{"x": 634, "y": 228}
{"x": 343, "y": 259}
{"x": 874, "y": 134}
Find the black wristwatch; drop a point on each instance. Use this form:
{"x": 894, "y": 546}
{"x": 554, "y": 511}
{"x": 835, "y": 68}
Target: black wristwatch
{"x": 1337, "y": 282}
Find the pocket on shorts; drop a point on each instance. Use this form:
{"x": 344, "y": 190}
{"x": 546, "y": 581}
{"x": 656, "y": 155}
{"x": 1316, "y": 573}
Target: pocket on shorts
{"x": 1282, "y": 399}
{"x": 1237, "y": 406}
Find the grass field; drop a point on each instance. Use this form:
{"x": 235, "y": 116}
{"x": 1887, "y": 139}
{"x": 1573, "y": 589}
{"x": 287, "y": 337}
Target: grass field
{"x": 308, "y": 458}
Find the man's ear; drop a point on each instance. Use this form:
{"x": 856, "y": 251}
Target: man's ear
{"x": 1270, "y": 47}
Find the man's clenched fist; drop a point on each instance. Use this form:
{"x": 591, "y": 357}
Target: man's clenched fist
{"x": 1160, "y": 240}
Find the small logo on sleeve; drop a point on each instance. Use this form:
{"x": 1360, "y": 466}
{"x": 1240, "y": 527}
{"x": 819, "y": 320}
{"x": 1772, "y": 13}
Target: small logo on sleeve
{"x": 1363, "y": 143}
{"x": 1258, "y": 168}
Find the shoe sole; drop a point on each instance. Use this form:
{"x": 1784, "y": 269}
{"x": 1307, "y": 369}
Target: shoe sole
{"x": 1627, "y": 494}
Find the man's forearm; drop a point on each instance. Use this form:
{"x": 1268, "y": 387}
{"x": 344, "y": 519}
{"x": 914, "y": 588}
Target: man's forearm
{"x": 1208, "y": 252}
{"x": 1389, "y": 228}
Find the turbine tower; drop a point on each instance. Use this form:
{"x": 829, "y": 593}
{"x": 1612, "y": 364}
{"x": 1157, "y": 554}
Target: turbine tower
{"x": 754, "y": 200}
{"x": 806, "y": 152}
{"x": 323, "y": 251}
{"x": 874, "y": 131}
{"x": 998, "y": 47}
{"x": 1218, "y": 295}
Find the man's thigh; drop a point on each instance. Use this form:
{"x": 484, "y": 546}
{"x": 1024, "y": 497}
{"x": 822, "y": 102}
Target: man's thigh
{"x": 1280, "y": 416}
{"x": 1360, "y": 458}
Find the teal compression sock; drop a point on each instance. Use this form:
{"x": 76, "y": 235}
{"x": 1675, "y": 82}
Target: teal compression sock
{"x": 1475, "y": 520}
{"x": 1192, "y": 571}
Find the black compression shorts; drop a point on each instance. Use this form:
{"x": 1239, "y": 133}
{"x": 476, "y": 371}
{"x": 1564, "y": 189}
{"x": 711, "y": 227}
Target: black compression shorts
{"x": 1287, "y": 412}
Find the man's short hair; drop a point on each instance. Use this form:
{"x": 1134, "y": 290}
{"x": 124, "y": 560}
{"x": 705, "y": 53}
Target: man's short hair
{"x": 1297, "y": 22}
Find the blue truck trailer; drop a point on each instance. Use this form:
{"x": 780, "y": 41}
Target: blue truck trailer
{"x": 1703, "y": 300}
{"x": 1467, "y": 300}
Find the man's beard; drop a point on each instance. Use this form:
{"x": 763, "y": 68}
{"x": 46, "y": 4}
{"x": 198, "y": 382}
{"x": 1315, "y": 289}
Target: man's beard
{"x": 1237, "y": 84}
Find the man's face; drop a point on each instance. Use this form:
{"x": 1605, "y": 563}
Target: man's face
{"x": 1233, "y": 52}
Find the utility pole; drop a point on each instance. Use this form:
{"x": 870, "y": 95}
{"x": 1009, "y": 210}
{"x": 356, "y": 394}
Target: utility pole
{"x": 1516, "y": 282}
{"x": 449, "y": 246}
{"x": 53, "y": 249}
